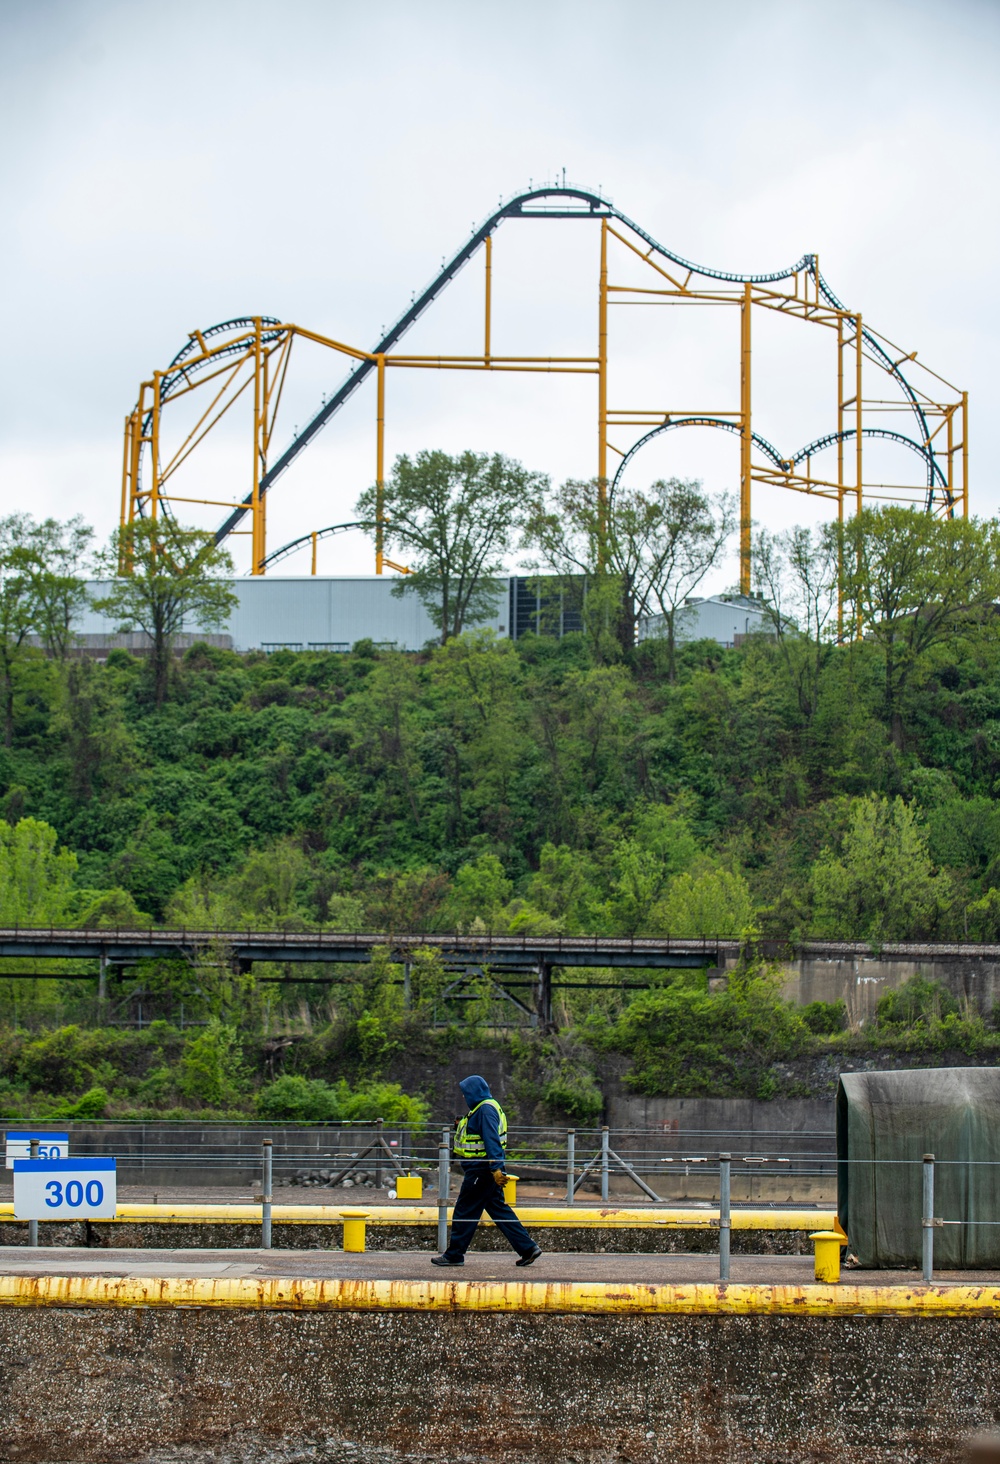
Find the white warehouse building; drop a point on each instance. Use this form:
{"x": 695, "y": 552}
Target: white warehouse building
{"x": 728, "y": 619}
{"x": 319, "y": 613}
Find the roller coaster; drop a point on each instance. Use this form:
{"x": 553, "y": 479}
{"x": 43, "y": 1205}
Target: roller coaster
{"x": 251, "y": 355}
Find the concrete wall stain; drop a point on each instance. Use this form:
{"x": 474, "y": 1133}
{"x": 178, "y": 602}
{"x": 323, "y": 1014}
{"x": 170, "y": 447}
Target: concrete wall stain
{"x": 105, "y": 1386}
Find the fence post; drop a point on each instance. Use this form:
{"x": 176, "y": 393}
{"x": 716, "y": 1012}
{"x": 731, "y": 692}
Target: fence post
{"x": 265, "y": 1196}
{"x": 33, "y": 1224}
{"x": 725, "y": 1215}
{"x": 604, "y": 1164}
{"x": 378, "y": 1153}
{"x": 928, "y": 1218}
{"x": 444, "y": 1184}
{"x": 570, "y": 1166}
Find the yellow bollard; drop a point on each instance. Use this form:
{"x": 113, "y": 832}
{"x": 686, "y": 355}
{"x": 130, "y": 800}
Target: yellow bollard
{"x": 409, "y": 1187}
{"x": 510, "y": 1189}
{"x": 826, "y": 1266}
{"x": 354, "y": 1229}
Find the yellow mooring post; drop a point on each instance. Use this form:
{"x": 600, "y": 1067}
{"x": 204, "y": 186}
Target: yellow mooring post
{"x": 827, "y": 1262}
{"x": 354, "y": 1229}
{"x": 510, "y": 1189}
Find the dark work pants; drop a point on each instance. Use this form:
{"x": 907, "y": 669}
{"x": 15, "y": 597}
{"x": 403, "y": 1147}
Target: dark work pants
{"x": 479, "y": 1193}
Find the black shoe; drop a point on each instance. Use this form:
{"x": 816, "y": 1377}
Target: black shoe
{"x": 531, "y": 1256}
{"x": 444, "y": 1261}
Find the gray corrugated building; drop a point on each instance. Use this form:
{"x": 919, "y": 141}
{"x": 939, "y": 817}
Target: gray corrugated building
{"x": 728, "y": 619}
{"x": 305, "y": 613}
{"x": 308, "y": 613}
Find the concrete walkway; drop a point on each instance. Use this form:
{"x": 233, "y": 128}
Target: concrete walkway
{"x": 559, "y": 1267}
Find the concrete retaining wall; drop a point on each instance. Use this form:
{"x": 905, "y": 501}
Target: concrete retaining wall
{"x": 589, "y": 1240}
{"x": 859, "y": 981}
{"x": 98, "y": 1386}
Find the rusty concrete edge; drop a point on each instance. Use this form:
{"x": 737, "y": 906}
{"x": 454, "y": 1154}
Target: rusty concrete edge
{"x": 357, "y": 1295}
{"x": 568, "y": 1217}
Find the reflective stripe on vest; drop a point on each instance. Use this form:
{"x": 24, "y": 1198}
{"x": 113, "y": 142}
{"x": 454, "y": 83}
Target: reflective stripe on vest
{"x": 471, "y": 1146}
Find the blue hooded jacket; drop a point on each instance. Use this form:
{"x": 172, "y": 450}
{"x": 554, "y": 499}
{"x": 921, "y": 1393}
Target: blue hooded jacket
{"x": 485, "y": 1123}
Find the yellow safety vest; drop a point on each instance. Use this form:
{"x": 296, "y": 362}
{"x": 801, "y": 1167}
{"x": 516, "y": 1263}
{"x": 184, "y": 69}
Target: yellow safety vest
{"x": 471, "y": 1146}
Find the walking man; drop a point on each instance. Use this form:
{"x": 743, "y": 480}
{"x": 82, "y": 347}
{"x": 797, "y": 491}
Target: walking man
{"x": 480, "y": 1142}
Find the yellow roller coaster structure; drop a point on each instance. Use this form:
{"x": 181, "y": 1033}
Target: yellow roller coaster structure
{"x": 251, "y": 356}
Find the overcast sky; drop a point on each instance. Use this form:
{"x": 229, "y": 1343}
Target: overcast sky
{"x": 168, "y": 167}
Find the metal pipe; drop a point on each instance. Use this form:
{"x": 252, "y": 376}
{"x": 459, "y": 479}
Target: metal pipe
{"x": 378, "y": 1153}
{"x": 570, "y": 1166}
{"x": 33, "y": 1224}
{"x": 604, "y": 1163}
{"x": 928, "y": 1218}
{"x": 265, "y": 1199}
{"x": 725, "y": 1216}
{"x": 444, "y": 1184}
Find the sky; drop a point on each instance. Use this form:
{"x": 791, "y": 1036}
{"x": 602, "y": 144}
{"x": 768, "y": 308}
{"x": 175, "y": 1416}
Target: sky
{"x": 169, "y": 167}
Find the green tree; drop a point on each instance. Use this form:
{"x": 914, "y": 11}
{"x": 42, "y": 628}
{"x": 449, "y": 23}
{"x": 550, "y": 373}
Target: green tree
{"x": 19, "y": 607}
{"x": 212, "y": 1070}
{"x": 881, "y": 884}
{"x": 650, "y": 549}
{"x": 917, "y": 583}
{"x": 798, "y": 574}
{"x": 165, "y": 576}
{"x": 62, "y": 558}
{"x": 36, "y": 877}
{"x": 480, "y": 680}
{"x": 706, "y": 902}
{"x": 683, "y": 1039}
{"x": 481, "y": 890}
{"x": 453, "y": 519}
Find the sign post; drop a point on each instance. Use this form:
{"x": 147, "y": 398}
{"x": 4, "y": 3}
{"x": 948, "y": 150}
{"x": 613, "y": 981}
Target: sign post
{"x": 65, "y": 1189}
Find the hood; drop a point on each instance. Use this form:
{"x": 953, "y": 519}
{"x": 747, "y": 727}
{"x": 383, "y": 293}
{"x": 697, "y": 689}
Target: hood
{"x": 474, "y": 1089}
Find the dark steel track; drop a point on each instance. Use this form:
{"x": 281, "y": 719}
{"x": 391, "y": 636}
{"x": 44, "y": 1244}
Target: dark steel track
{"x": 588, "y": 205}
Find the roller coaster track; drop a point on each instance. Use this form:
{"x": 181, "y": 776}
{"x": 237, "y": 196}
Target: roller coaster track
{"x": 933, "y": 420}
{"x": 786, "y": 465}
{"x": 317, "y": 535}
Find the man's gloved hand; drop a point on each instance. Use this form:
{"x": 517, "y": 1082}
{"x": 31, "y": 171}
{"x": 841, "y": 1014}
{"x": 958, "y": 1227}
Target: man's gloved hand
{"x": 499, "y": 1178}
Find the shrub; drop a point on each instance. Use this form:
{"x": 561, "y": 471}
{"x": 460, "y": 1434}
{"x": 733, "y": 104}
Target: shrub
{"x": 92, "y": 1105}
{"x": 313, "y": 1100}
{"x": 824, "y": 1018}
{"x": 212, "y": 1066}
{"x": 918, "y": 1002}
{"x": 299, "y": 1099}
{"x": 683, "y": 1039}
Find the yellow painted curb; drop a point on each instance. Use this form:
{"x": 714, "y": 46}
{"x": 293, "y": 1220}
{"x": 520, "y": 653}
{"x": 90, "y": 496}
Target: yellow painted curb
{"x": 561, "y": 1217}
{"x": 339, "y": 1294}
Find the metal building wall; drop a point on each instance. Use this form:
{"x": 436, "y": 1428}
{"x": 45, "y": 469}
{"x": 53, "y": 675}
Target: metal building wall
{"x": 725, "y": 621}
{"x": 313, "y": 612}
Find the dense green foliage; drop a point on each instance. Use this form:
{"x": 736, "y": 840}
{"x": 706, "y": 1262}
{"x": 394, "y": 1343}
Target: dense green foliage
{"x": 792, "y": 787}
{"x": 524, "y": 787}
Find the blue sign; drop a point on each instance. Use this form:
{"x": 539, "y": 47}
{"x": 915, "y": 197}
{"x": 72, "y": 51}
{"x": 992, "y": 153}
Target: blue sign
{"x": 50, "y": 1145}
{"x": 65, "y": 1189}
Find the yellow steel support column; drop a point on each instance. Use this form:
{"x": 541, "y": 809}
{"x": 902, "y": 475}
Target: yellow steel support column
{"x": 840, "y": 476}
{"x": 745, "y": 439}
{"x": 489, "y": 296}
{"x": 380, "y": 469}
{"x": 123, "y": 519}
{"x": 602, "y": 381}
{"x": 858, "y": 418}
{"x": 313, "y": 570}
{"x": 859, "y": 441}
{"x": 965, "y": 454}
{"x": 126, "y": 458}
{"x": 154, "y": 472}
{"x": 258, "y": 549}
